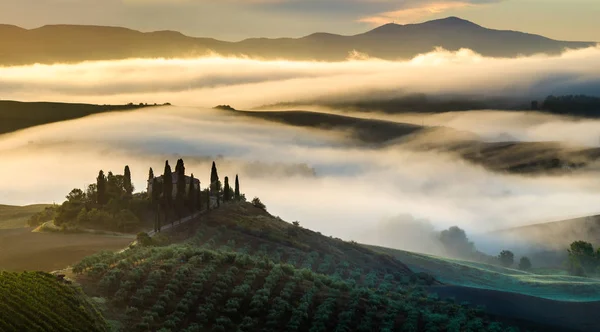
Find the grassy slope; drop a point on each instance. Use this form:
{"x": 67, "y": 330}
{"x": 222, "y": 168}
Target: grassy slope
{"x": 36, "y": 301}
{"x": 238, "y": 268}
{"x": 479, "y": 275}
{"x": 19, "y": 115}
{"x": 16, "y": 216}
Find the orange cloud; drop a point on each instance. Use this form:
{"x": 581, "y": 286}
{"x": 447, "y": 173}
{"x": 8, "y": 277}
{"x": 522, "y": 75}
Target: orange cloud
{"x": 409, "y": 15}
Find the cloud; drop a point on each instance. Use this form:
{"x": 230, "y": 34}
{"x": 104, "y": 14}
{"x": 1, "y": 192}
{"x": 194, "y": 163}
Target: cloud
{"x": 412, "y": 14}
{"x": 246, "y": 83}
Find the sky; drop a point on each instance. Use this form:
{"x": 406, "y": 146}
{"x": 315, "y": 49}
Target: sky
{"x": 239, "y": 19}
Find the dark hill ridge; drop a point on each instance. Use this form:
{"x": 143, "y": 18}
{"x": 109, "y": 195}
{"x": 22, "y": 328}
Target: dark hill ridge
{"x": 74, "y": 43}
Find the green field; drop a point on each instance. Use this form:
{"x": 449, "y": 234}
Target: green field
{"x": 16, "y": 216}
{"x": 36, "y": 301}
{"x": 555, "y": 286}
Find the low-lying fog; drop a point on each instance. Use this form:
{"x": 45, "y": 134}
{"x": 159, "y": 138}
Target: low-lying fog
{"x": 382, "y": 196}
{"x": 362, "y": 194}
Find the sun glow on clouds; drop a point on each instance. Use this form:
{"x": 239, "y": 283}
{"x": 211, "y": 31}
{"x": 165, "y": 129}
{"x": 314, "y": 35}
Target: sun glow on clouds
{"x": 409, "y": 15}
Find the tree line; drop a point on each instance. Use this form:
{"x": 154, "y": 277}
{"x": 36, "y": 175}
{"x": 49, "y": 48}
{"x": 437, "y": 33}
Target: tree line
{"x": 111, "y": 204}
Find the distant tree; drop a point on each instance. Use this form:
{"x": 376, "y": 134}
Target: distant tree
{"x": 524, "y": 264}
{"x": 226, "y": 190}
{"x": 456, "y": 242}
{"x": 192, "y": 194}
{"x": 506, "y": 258}
{"x": 582, "y": 256}
{"x": 237, "y": 188}
{"x": 150, "y": 174}
{"x": 258, "y": 204}
{"x": 199, "y": 197}
{"x": 101, "y": 197}
{"x": 167, "y": 189}
{"x": 127, "y": 185}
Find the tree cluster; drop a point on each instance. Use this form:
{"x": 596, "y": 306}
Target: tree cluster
{"x": 583, "y": 260}
{"x": 107, "y": 204}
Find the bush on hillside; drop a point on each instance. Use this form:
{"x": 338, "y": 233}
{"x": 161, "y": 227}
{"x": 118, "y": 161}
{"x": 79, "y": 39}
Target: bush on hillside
{"x": 258, "y": 204}
{"x": 43, "y": 216}
{"x": 143, "y": 239}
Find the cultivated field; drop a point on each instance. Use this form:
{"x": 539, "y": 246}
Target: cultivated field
{"x": 20, "y": 249}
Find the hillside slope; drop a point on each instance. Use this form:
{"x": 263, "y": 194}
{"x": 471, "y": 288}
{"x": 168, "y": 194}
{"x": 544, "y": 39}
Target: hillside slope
{"x": 16, "y": 115}
{"x": 557, "y": 234}
{"x": 68, "y": 43}
{"x": 36, "y": 301}
{"x": 16, "y": 216}
{"x": 239, "y": 268}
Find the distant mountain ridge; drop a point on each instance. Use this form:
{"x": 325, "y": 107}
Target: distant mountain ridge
{"x": 74, "y": 43}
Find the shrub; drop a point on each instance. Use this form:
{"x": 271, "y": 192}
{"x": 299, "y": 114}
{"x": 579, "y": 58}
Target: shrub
{"x": 258, "y": 204}
{"x": 144, "y": 239}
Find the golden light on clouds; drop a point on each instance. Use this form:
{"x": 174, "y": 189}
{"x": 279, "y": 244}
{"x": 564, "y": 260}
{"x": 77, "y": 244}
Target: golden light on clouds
{"x": 409, "y": 15}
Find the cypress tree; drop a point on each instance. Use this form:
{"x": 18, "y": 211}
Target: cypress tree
{"x": 167, "y": 188}
{"x": 237, "y": 188}
{"x": 127, "y": 185}
{"x": 191, "y": 194}
{"x": 180, "y": 190}
{"x": 150, "y": 174}
{"x": 214, "y": 178}
{"x": 156, "y": 193}
{"x": 226, "y": 190}
{"x": 199, "y": 197}
{"x": 101, "y": 188}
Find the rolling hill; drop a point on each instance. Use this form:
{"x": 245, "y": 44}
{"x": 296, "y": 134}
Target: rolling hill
{"x": 15, "y": 115}
{"x": 514, "y": 157}
{"x": 239, "y": 268}
{"x": 557, "y": 234}
{"x": 70, "y": 43}
{"x": 16, "y": 216}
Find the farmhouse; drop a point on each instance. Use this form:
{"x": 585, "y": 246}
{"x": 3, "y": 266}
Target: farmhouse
{"x": 174, "y": 180}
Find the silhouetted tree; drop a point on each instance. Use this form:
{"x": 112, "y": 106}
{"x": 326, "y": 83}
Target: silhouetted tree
{"x": 507, "y": 258}
{"x": 127, "y": 185}
{"x": 199, "y": 197}
{"x": 226, "y": 190}
{"x": 180, "y": 190}
{"x": 237, "y": 188}
{"x": 150, "y": 174}
{"x": 524, "y": 264}
{"x": 215, "y": 187}
{"x": 192, "y": 194}
{"x": 167, "y": 189}
{"x": 101, "y": 197}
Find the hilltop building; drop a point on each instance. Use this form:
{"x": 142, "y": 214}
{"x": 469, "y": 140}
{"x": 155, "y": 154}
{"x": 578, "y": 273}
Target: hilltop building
{"x": 174, "y": 180}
